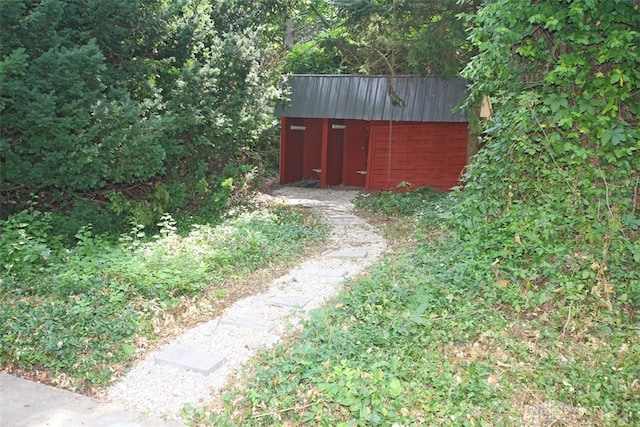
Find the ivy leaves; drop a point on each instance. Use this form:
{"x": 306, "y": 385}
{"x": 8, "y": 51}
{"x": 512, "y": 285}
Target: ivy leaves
{"x": 560, "y": 163}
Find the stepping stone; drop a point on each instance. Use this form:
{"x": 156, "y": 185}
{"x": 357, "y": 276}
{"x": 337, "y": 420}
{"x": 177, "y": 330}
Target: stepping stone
{"x": 357, "y": 243}
{"x": 189, "y": 359}
{"x": 324, "y": 272}
{"x": 247, "y": 322}
{"x": 339, "y": 215}
{"x": 288, "y": 301}
{"x": 349, "y": 253}
{"x": 342, "y": 222}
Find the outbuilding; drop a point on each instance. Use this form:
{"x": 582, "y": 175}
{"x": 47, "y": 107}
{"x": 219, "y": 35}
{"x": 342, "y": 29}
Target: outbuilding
{"x": 375, "y": 132}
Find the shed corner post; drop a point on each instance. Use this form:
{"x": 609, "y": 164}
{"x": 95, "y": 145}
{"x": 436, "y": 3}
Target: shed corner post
{"x": 324, "y": 153}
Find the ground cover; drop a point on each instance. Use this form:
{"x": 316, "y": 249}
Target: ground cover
{"x": 431, "y": 336}
{"x": 77, "y": 316}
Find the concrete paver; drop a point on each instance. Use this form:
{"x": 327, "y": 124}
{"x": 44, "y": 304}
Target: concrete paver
{"x": 323, "y": 272}
{"x": 247, "y": 322}
{"x": 349, "y": 253}
{"x": 288, "y": 301}
{"x": 189, "y": 359}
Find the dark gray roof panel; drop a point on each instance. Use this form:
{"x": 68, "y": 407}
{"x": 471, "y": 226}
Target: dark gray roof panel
{"x": 423, "y": 99}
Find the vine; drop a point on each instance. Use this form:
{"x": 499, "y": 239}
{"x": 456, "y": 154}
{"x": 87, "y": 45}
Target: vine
{"x": 553, "y": 192}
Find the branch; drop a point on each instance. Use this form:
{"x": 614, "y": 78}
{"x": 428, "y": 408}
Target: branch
{"x": 635, "y": 195}
{"x": 102, "y": 202}
{"x": 389, "y": 66}
{"x": 548, "y": 147}
{"x": 322, "y": 18}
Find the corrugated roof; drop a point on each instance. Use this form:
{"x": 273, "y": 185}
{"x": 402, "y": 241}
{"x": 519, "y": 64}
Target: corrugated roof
{"x": 422, "y": 99}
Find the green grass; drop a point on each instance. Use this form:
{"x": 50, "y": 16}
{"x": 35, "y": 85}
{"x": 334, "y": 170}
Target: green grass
{"x": 78, "y": 313}
{"x": 405, "y": 203}
{"x": 430, "y": 337}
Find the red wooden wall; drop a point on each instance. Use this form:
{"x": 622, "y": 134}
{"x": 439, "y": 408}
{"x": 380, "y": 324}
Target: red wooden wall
{"x": 423, "y": 154}
{"x": 429, "y": 154}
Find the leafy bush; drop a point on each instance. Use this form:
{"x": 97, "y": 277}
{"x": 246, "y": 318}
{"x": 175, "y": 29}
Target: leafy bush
{"x": 76, "y": 312}
{"x": 404, "y": 203}
{"x": 320, "y": 55}
{"x": 429, "y": 337}
{"x": 73, "y": 133}
{"x": 27, "y": 244}
{"x": 89, "y": 111}
{"x": 551, "y": 198}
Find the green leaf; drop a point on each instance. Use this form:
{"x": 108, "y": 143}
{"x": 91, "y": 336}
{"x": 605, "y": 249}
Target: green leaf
{"x": 556, "y": 101}
{"x": 394, "y": 387}
{"x": 128, "y": 349}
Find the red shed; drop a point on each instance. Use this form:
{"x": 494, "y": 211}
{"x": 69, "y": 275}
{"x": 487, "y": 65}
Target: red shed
{"x": 374, "y": 131}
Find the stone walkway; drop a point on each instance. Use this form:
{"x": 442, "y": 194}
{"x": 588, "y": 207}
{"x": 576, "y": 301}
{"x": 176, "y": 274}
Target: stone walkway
{"x": 196, "y": 366}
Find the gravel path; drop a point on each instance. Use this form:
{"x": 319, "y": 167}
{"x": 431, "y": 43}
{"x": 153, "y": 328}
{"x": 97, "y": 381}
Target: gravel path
{"x": 353, "y": 244}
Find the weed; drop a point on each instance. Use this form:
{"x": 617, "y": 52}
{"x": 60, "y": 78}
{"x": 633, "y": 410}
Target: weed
{"x": 399, "y": 203}
{"x": 436, "y": 335}
{"x": 79, "y": 317}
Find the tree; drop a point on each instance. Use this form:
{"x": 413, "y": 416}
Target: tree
{"x": 139, "y": 103}
{"x": 553, "y": 194}
{"x": 62, "y": 125}
{"x": 384, "y": 37}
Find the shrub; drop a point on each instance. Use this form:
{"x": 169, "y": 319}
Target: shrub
{"x": 551, "y": 198}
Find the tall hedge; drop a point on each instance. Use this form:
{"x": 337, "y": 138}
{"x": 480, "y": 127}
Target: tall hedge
{"x": 103, "y": 96}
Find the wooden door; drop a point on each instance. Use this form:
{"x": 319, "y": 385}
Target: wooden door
{"x": 356, "y": 136}
{"x": 311, "y": 164}
{"x": 291, "y": 149}
{"x": 335, "y": 152}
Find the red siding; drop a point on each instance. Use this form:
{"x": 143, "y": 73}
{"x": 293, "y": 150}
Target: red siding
{"x": 422, "y": 154}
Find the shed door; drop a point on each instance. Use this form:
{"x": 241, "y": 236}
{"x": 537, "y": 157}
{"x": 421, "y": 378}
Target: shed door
{"x": 335, "y": 152}
{"x": 291, "y": 149}
{"x": 312, "y": 148}
{"x": 356, "y": 137}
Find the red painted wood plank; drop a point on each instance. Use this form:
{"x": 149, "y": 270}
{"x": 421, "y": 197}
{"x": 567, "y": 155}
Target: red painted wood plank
{"x": 424, "y": 154}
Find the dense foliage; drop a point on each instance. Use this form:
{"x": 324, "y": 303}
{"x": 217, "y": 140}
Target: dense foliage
{"x": 551, "y": 200}
{"x": 380, "y": 37}
{"x": 427, "y": 337}
{"x": 139, "y": 105}
{"x": 518, "y": 301}
{"x": 77, "y": 315}
{"x": 519, "y": 306}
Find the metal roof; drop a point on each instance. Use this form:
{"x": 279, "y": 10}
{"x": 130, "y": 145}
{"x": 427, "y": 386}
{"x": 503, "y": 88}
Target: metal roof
{"x": 421, "y": 99}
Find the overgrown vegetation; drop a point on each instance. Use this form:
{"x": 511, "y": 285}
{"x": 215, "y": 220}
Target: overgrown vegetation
{"x": 552, "y": 197}
{"x": 430, "y": 337}
{"x": 520, "y": 304}
{"x": 406, "y": 203}
{"x": 517, "y": 305}
{"x": 137, "y": 107}
{"x": 80, "y": 313}
{"x": 379, "y": 37}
